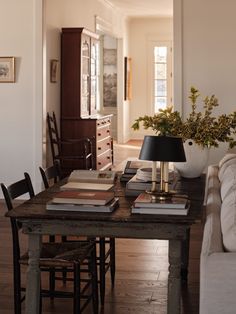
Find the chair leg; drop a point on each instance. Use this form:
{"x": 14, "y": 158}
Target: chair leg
{"x": 94, "y": 278}
{"x": 51, "y": 283}
{"x": 112, "y": 260}
{"x": 64, "y": 272}
{"x": 76, "y": 288}
{"x": 40, "y": 302}
{"x": 102, "y": 269}
{"x": 17, "y": 288}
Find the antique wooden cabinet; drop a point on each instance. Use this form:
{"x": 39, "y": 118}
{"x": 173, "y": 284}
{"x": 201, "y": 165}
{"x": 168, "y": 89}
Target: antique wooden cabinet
{"x": 79, "y": 95}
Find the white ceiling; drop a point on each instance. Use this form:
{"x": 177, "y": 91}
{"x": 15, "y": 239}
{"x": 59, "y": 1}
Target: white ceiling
{"x": 144, "y": 7}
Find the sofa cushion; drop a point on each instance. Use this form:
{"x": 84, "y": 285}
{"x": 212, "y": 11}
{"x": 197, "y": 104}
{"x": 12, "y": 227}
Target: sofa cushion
{"x": 227, "y": 160}
{"x": 228, "y": 220}
{"x": 212, "y": 237}
{"x": 228, "y": 180}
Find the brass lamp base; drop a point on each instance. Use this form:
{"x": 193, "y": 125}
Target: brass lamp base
{"x": 161, "y": 195}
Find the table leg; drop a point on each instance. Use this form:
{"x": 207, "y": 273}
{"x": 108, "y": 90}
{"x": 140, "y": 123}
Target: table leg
{"x": 174, "y": 280}
{"x": 185, "y": 256}
{"x": 33, "y": 276}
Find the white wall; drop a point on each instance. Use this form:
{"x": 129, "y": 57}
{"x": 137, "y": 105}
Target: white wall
{"x": 142, "y": 31}
{"x": 209, "y": 50}
{"x": 123, "y": 105}
{"x": 21, "y": 102}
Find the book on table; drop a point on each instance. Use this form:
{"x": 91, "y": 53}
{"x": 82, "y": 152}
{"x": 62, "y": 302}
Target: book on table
{"x": 132, "y": 166}
{"x": 146, "y": 200}
{"x": 83, "y": 197}
{"x": 92, "y": 176}
{"x": 160, "y": 211}
{"x": 136, "y": 184}
{"x": 86, "y": 186}
{"x": 109, "y": 207}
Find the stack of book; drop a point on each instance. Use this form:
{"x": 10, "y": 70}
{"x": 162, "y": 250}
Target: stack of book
{"x": 145, "y": 204}
{"x": 135, "y": 186}
{"x": 84, "y": 201}
{"x": 132, "y": 167}
{"x": 142, "y": 181}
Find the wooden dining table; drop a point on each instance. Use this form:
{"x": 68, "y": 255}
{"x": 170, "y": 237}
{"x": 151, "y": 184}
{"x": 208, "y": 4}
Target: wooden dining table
{"x": 121, "y": 223}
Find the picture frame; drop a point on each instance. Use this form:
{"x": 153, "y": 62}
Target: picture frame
{"x": 7, "y": 69}
{"x": 127, "y": 78}
{"x": 54, "y": 70}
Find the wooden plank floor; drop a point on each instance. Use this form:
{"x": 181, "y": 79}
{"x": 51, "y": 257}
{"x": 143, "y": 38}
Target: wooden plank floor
{"x": 141, "y": 276}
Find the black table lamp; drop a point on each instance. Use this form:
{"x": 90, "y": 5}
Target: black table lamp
{"x": 163, "y": 149}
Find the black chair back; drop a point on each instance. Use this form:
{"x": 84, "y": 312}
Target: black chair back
{"x": 52, "y": 173}
{"x": 75, "y": 153}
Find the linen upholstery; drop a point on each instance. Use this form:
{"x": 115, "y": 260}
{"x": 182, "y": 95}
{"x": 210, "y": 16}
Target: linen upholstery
{"x": 218, "y": 256}
{"x": 227, "y": 160}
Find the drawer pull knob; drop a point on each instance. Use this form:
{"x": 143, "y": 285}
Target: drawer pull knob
{"x": 108, "y": 144}
{"x": 99, "y": 163}
{"x": 99, "y": 148}
{"x": 99, "y": 134}
{"x": 108, "y": 131}
{"x": 108, "y": 157}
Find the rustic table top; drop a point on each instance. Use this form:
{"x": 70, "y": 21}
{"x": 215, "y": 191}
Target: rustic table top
{"x": 35, "y": 208}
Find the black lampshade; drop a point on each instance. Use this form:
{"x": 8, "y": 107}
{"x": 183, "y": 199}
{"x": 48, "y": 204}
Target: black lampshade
{"x": 162, "y": 148}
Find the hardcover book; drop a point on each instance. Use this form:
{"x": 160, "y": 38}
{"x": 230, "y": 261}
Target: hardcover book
{"x": 92, "y": 176}
{"x": 109, "y": 207}
{"x": 83, "y": 197}
{"x": 145, "y": 200}
{"x": 133, "y": 165}
{"x": 136, "y": 184}
{"x": 83, "y": 186}
{"x": 160, "y": 211}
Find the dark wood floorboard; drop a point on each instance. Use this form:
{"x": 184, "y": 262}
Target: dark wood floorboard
{"x": 141, "y": 277}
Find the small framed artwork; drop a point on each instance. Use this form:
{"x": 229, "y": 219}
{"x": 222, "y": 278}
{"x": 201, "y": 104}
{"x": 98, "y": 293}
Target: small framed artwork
{"x": 54, "y": 70}
{"x": 127, "y": 79}
{"x": 7, "y": 69}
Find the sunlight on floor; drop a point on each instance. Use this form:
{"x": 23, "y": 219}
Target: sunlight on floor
{"x": 122, "y": 152}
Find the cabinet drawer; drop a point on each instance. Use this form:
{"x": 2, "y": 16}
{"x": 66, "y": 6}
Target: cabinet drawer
{"x": 104, "y": 159}
{"x": 103, "y": 145}
{"x": 103, "y": 132}
{"x": 103, "y": 122}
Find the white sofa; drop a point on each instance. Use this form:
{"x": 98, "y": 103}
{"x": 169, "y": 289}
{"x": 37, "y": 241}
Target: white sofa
{"x": 218, "y": 254}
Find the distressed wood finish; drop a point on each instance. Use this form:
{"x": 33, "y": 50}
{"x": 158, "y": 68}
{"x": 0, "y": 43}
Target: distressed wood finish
{"x": 33, "y": 274}
{"x": 36, "y": 221}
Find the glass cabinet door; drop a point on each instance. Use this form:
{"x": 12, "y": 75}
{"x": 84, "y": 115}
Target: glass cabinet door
{"x": 85, "y": 77}
{"x": 94, "y": 76}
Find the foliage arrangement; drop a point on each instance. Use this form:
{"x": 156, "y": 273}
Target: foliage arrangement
{"x": 200, "y": 126}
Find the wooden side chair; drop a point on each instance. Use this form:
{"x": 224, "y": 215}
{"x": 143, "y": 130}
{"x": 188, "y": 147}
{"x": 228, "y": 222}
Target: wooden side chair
{"x": 74, "y": 257}
{"x": 106, "y": 258}
{"x": 51, "y": 174}
{"x": 82, "y": 156}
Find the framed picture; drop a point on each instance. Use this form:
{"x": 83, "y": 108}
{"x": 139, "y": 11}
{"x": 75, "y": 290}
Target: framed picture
{"x": 54, "y": 71}
{"x": 127, "y": 79}
{"x": 7, "y": 69}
